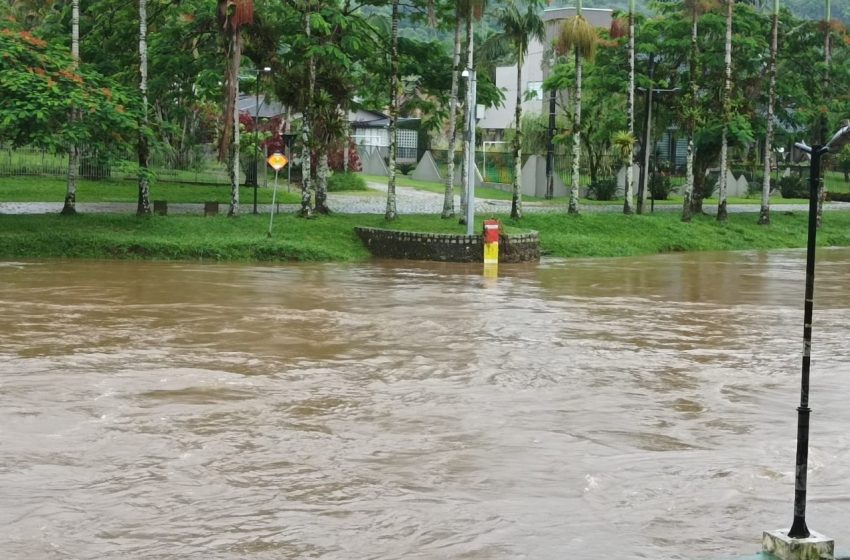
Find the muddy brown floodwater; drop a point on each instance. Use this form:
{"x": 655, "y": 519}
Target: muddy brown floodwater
{"x": 587, "y": 409}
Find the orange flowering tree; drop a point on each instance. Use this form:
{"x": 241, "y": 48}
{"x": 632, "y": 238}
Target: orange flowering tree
{"x": 39, "y": 88}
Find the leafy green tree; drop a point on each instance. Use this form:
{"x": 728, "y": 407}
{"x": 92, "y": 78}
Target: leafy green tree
{"x": 40, "y": 86}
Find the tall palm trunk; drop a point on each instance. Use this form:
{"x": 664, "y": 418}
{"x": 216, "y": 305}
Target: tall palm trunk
{"x": 449, "y": 199}
{"x": 70, "y": 206}
{"x": 306, "y": 210}
{"x": 827, "y": 40}
{"x": 322, "y": 172}
{"x": 235, "y": 61}
{"x": 764, "y": 213}
{"x": 391, "y": 213}
{"x": 688, "y": 190}
{"x": 628, "y": 204}
{"x": 574, "y": 189}
{"x": 727, "y": 108}
{"x": 516, "y": 189}
{"x": 827, "y": 54}
{"x": 144, "y": 206}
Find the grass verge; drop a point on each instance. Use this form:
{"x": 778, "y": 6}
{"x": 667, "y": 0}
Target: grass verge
{"x": 52, "y": 189}
{"x": 332, "y": 238}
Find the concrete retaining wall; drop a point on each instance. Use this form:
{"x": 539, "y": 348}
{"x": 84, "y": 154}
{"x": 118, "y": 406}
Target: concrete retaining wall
{"x": 446, "y": 247}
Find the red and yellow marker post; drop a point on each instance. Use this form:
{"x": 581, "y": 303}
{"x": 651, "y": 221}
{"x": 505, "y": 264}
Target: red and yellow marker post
{"x": 492, "y": 231}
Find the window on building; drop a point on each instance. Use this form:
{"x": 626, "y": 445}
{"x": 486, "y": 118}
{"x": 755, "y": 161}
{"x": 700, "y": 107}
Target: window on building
{"x": 534, "y": 90}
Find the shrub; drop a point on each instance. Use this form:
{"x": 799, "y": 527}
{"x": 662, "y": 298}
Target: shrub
{"x": 603, "y": 189}
{"x": 406, "y": 168}
{"x": 660, "y": 186}
{"x": 793, "y": 186}
{"x": 346, "y": 182}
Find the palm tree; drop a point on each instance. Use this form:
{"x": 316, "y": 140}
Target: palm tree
{"x": 727, "y": 109}
{"x": 449, "y": 199}
{"x": 576, "y": 35}
{"x": 630, "y": 154}
{"x": 694, "y": 9}
{"x": 519, "y": 29}
{"x": 70, "y": 206}
{"x": 233, "y": 16}
{"x": 391, "y": 213}
{"x": 822, "y": 133}
{"x": 144, "y": 205}
{"x": 827, "y": 47}
{"x": 764, "y": 213}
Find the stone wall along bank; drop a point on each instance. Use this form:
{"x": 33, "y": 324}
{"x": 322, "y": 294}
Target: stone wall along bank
{"x": 391, "y": 244}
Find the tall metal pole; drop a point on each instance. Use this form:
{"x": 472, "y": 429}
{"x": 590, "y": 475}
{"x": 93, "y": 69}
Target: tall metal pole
{"x": 798, "y": 527}
{"x": 274, "y": 195}
{"x": 470, "y": 166}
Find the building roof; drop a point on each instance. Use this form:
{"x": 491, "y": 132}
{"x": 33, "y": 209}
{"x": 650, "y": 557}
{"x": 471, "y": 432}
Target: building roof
{"x": 247, "y": 104}
{"x": 364, "y": 118}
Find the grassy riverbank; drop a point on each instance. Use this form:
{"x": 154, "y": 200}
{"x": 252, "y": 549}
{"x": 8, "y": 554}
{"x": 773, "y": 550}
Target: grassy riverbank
{"x": 331, "y": 238}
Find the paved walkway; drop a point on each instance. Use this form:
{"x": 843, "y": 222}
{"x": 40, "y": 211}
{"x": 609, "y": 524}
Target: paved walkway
{"x": 408, "y": 201}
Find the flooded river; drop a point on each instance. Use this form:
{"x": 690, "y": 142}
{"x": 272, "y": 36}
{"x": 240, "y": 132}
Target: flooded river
{"x": 589, "y": 409}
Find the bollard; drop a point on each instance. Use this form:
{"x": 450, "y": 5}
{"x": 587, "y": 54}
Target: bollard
{"x": 160, "y": 207}
{"x": 211, "y": 208}
{"x": 492, "y": 230}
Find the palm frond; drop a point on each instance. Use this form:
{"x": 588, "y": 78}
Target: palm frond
{"x": 576, "y": 33}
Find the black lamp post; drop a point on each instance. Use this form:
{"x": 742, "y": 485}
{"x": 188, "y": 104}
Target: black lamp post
{"x": 257, "y": 133}
{"x": 798, "y": 527}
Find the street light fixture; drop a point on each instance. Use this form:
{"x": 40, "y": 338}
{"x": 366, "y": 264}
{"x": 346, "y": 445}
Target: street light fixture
{"x": 265, "y": 69}
{"x": 837, "y": 142}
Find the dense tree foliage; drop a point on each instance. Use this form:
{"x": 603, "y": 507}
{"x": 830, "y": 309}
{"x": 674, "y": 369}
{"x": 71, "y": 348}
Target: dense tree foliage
{"x": 39, "y": 87}
{"x": 344, "y": 62}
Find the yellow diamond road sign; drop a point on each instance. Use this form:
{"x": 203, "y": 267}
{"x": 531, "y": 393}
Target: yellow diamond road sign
{"x": 277, "y": 161}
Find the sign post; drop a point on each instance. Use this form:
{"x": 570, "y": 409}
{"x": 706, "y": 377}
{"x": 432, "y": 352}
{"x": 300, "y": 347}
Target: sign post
{"x": 277, "y": 161}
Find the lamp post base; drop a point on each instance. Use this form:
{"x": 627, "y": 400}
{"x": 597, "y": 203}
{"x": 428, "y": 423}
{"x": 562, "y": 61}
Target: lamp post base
{"x": 783, "y": 547}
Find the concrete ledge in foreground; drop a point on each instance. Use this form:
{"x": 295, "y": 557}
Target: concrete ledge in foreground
{"x": 780, "y": 545}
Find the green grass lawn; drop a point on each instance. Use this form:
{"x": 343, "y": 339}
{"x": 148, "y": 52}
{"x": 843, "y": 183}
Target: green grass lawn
{"x": 52, "y": 189}
{"x": 332, "y": 238}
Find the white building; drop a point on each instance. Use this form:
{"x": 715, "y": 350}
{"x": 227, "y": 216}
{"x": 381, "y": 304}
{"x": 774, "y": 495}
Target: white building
{"x": 370, "y": 131}
{"x": 534, "y": 71}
